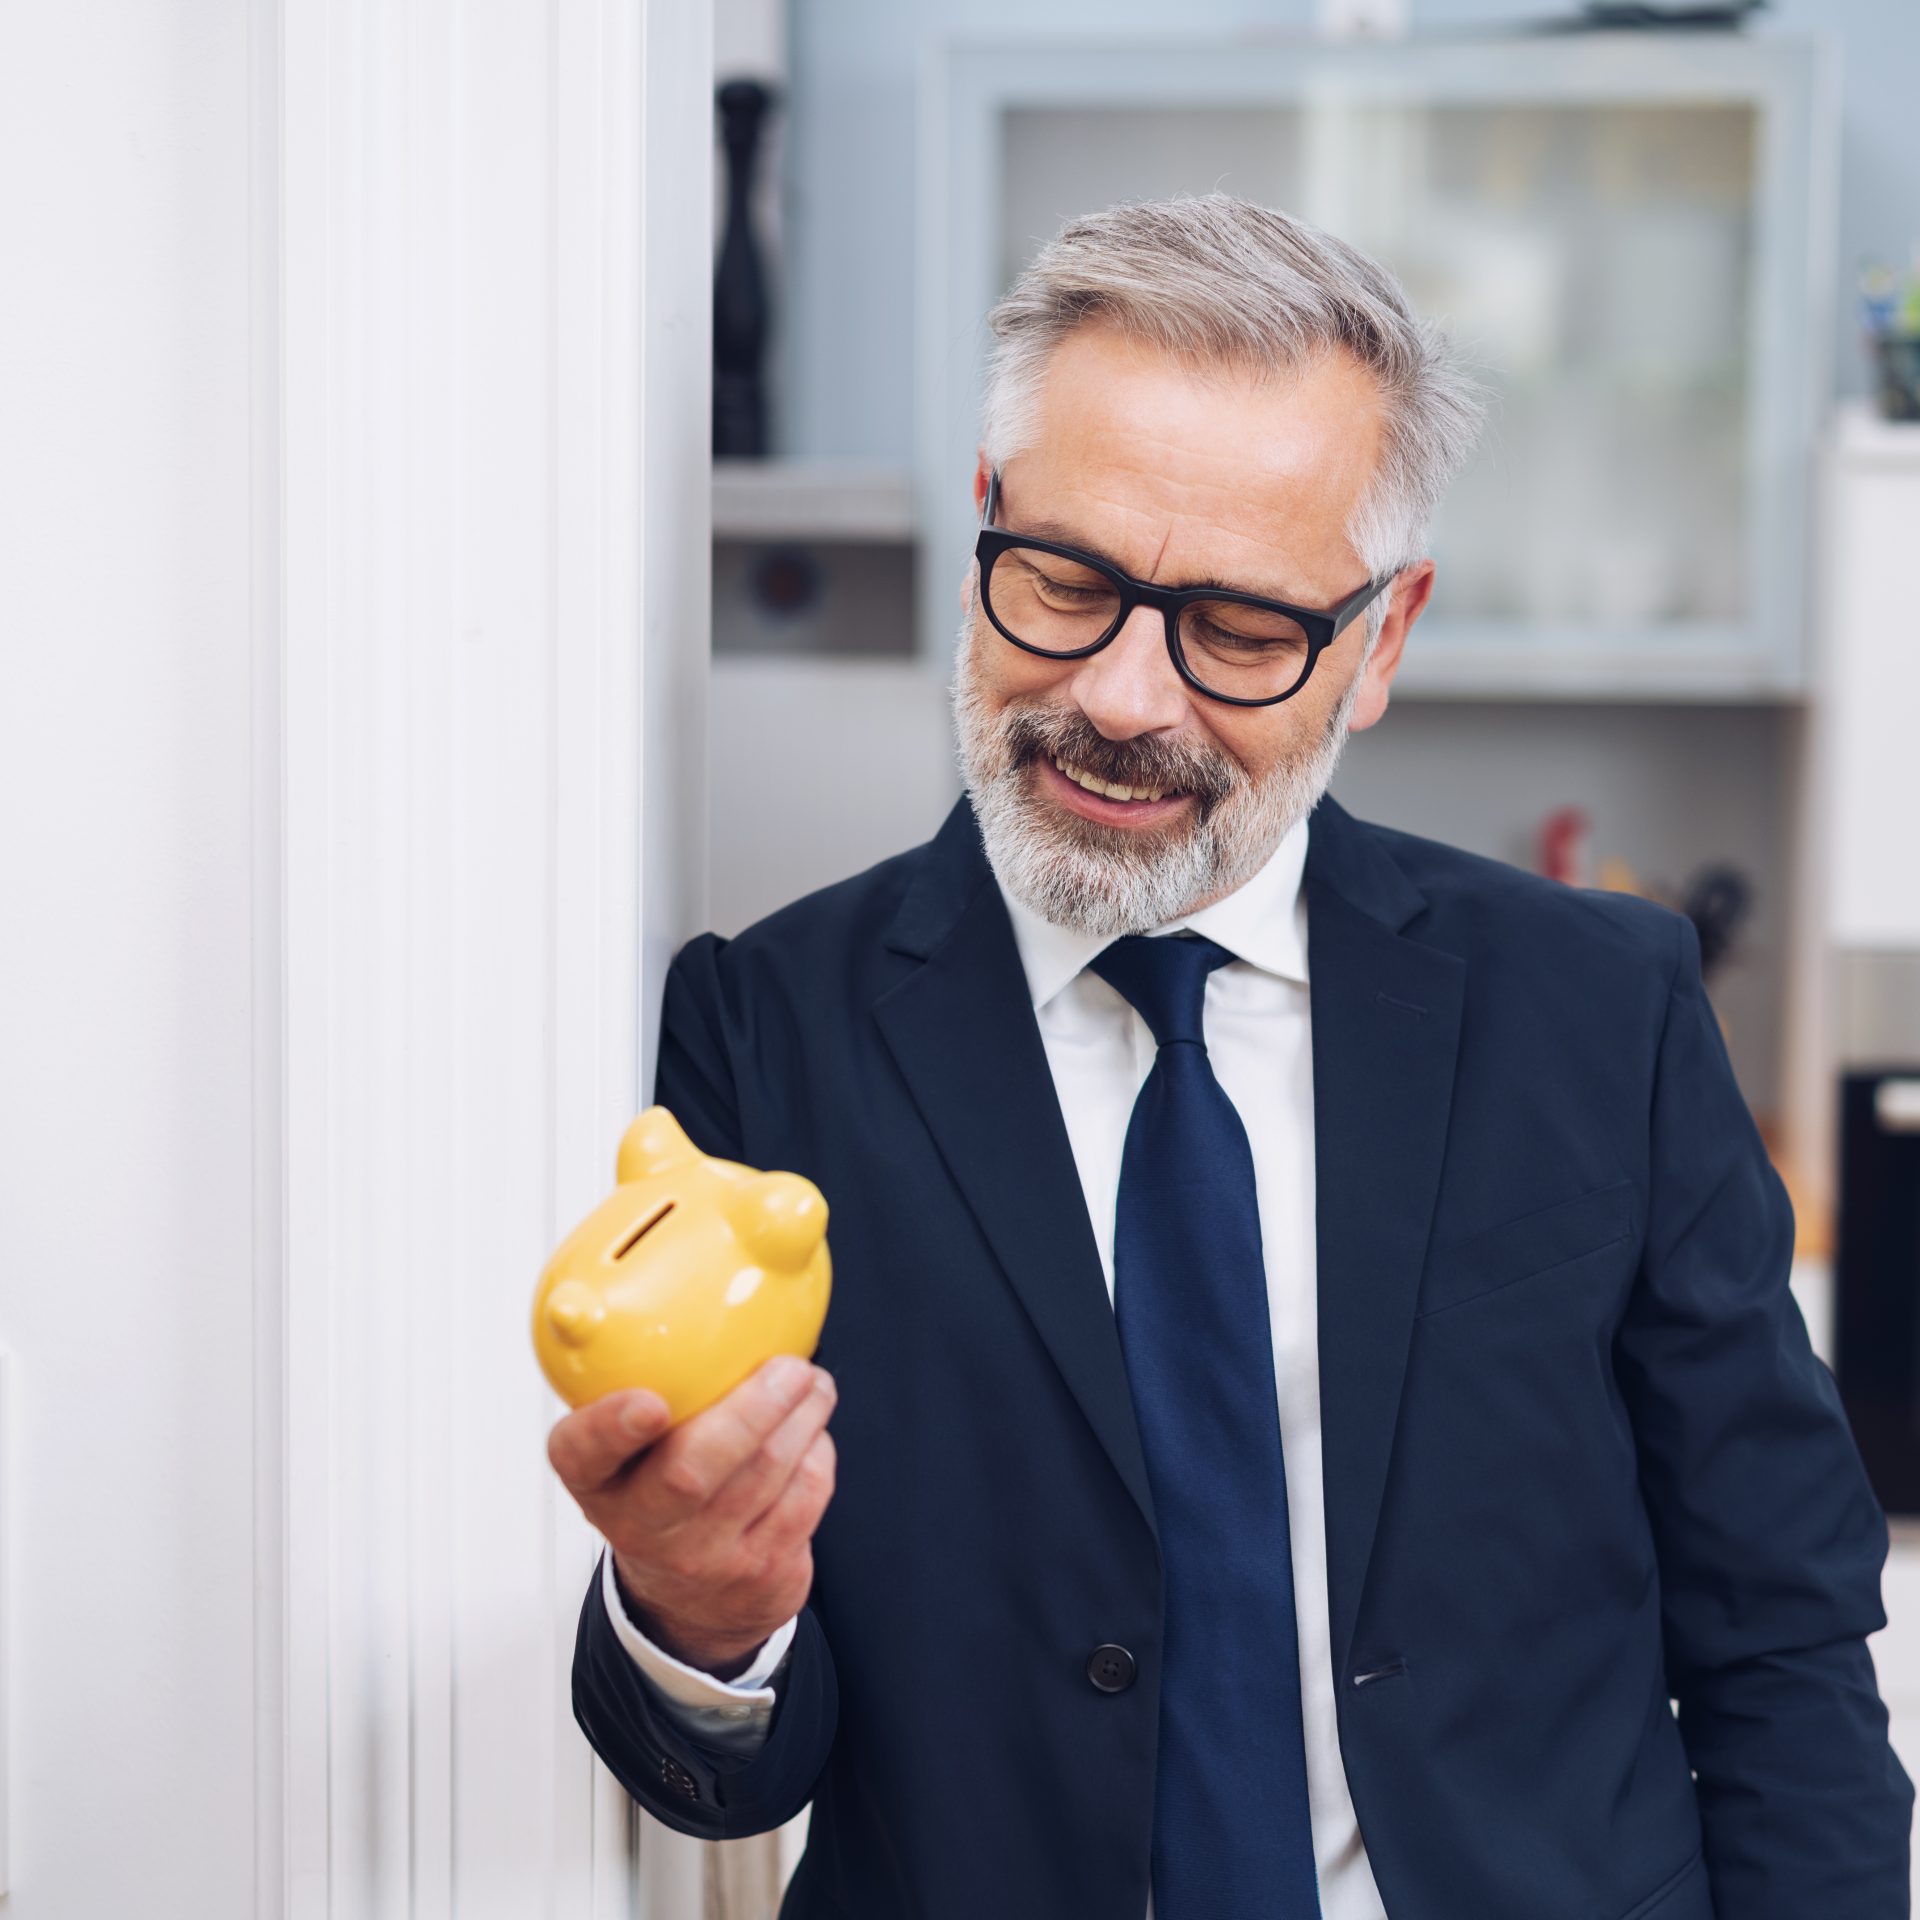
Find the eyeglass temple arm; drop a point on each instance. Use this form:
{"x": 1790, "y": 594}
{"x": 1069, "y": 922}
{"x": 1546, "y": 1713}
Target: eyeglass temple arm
{"x": 1355, "y": 601}
{"x": 992, "y": 498}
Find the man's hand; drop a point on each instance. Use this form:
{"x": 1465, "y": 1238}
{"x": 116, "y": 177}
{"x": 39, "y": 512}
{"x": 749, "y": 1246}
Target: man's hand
{"x": 711, "y": 1525}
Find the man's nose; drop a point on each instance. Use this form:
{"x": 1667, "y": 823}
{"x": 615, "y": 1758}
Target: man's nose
{"x": 1131, "y": 685}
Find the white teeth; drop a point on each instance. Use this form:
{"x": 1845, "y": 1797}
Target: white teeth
{"x": 1094, "y": 784}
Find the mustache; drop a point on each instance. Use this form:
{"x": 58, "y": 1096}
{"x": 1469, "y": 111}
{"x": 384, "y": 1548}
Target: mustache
{"x": 1031, "y": 733}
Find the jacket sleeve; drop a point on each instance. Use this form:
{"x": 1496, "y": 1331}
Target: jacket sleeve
{"x": 731, "y": 1714}
{"x": 1769, "y": 1540}
{"x": 689, "y": 1785}
{"x": 683, "y": 1783}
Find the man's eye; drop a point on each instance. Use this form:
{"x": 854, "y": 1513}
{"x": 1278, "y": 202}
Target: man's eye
{"x": 1209, "y": 634}
{"x": 1248, "y": 632}
{"x": 1063, "y": 590}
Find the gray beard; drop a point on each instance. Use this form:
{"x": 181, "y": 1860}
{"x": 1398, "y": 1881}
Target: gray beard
{"x": 1108, "y": 881}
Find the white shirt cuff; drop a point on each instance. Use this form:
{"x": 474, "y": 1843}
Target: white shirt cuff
{"x": 747, "y": 1699}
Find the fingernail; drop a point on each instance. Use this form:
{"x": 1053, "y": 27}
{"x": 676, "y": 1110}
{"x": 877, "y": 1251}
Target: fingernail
{"x": 788, "y": 1376}
{"x": 643, "y": 1413}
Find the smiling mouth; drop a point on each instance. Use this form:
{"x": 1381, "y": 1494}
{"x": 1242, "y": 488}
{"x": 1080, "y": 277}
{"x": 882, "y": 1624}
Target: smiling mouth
{"x": 1109, "y": 789}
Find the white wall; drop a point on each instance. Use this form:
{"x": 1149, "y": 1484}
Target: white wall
{"x": 126, "y": 1089}
{"x": 820, "y": 768}
{"x": 353, "y": 541}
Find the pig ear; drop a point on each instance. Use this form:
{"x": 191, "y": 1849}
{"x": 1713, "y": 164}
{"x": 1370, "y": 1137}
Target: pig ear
{"x": 574, "y": 1312}
{"x": 652, "y": 1144}
{"x": 780, "y": 1218}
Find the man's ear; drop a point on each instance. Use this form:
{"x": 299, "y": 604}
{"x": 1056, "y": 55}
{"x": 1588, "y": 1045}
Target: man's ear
{"x": 982, "y": 473}
{"x": 1412, "y": 589}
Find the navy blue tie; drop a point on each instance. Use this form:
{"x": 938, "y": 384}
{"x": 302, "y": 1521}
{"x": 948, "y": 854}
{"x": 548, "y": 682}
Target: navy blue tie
{"x": 1232, "y": 1836}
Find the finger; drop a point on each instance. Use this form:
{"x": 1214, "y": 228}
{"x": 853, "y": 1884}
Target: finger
{"x": 756, "y": 1484}
{"x": 593, "y": 1445}
{"x": 700, "y": 1455}
{"x": 792, "y": 1518}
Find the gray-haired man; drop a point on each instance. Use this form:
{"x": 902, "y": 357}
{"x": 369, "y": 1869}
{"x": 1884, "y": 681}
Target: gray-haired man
{"x": 1293, "y": 1446}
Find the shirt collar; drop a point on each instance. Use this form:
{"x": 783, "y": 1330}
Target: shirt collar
{"x": 1263, "y": 922}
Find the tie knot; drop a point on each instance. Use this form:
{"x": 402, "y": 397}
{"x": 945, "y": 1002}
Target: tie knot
{"x": 1164, "y": 979}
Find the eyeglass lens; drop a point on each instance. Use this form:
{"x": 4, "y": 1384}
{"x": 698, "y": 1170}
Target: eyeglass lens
{"x": 1056, "y": 605}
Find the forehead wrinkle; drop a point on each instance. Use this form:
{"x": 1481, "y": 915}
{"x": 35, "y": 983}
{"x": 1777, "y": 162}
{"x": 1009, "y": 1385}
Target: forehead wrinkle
{"x": 1052, "y": 528}
{"x": 1317, "y": 457}
{"x": 1121, "y": 423}
{"x": 1165, "y": 471}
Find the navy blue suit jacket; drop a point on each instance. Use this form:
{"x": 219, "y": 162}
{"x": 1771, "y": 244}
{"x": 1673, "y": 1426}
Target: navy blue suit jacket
{"x": 1579, "y": 1457}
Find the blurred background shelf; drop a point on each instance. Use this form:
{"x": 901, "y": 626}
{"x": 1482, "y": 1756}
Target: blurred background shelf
{"x": 802, "y": 500}
{"x": 1446, "y": 662}
{"x": 1863, "y": 440}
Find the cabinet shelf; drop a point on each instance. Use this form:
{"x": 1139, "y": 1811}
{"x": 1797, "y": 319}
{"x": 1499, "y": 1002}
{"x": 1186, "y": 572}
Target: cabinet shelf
{"x": 759, "y": 500}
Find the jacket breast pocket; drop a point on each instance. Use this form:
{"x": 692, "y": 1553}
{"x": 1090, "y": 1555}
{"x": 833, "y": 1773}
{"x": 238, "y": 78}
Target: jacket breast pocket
{"x": 1520, "y": 1249}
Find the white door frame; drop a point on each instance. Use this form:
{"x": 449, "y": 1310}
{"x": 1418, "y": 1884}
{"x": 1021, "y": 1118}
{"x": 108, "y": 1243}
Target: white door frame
{"x": 482, "y": 239}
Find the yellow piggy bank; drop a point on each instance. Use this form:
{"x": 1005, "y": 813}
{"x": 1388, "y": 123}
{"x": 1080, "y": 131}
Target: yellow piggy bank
{"x": 685, "y": 1278}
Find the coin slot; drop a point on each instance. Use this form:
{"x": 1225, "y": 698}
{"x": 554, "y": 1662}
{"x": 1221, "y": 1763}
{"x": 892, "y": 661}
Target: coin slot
{"x": 645, "y": 1227}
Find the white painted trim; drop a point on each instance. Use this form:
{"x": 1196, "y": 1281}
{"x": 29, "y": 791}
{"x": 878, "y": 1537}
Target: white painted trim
{"x": 671, "y": 208}
{"x": 677, "y": 190}
{"x": 6, "y": 1621}
{"x": 481, "y": 361}
{"x": 300, "y": 93}
{"x": 270, "y": 1639}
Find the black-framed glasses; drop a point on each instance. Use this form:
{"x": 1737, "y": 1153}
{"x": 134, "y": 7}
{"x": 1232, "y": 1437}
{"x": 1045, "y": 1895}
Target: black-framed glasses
{"x": 1065, "y": 603}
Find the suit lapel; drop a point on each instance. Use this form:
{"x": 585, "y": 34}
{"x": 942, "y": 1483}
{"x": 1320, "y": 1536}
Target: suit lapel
{"x": 1386, "y": 1029}
{"x": 962, "y": 1031}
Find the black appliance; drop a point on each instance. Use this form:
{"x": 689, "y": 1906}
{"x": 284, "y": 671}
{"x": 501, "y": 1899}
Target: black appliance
{"x": 1876, "y": 1276}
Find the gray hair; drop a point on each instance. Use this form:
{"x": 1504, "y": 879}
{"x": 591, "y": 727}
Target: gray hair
{"x": 1217, "y": 280}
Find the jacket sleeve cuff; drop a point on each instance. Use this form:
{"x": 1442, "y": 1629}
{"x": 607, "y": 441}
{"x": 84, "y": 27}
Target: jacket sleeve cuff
{"x": 715, "y": 1710}
{"x": 686, "y": 1783}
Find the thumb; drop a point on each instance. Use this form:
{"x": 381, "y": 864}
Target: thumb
{"x": 592, "y": 1445}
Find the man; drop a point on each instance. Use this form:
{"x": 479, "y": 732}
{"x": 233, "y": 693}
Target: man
{"x": 1294, "y": 1444}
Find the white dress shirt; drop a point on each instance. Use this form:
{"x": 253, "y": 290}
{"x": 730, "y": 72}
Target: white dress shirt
{"x": 1259, "y": 1039}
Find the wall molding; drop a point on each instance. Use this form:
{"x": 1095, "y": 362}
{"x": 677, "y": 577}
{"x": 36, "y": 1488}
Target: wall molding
{"x": 481, "y": 593}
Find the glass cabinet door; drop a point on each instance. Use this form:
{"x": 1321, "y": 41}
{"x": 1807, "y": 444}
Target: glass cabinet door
{"x": 1618, "y": 233}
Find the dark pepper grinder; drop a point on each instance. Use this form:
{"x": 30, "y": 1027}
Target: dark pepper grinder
{"x": 740, "y": 286}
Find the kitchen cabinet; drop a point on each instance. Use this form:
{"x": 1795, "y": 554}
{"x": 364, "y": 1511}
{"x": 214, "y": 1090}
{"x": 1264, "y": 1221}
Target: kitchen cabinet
{"x": 1628, "y": 234}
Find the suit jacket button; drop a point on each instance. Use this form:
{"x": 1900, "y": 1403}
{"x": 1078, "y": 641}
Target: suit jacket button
{"x": 1111, "y": 1669}
{"x": 678, "y": 1778}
